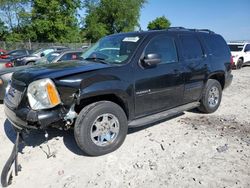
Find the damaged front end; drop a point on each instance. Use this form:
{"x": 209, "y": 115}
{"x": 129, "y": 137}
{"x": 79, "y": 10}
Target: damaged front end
{"x": 25, "y": 115}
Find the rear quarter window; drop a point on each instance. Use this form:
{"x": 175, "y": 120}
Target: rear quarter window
{"x": 216, "y": 45}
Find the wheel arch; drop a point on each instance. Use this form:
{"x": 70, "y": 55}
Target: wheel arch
{"x": 104, "y": 97}
{"x": 220, "y": 77}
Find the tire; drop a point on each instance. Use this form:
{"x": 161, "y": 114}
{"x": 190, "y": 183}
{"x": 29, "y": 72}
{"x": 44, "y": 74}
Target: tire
{"x": 211, "y": 97}
{"x": 30, "y": 63}
{"x": 92, "y": 120}
{"x": 239, "y": 64}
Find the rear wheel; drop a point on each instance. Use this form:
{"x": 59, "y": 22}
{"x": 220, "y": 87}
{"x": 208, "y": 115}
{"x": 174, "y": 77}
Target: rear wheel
{"x": 239, "y": 64}
{"x": 211, "y": 97}
{"x": 100, "y": 128}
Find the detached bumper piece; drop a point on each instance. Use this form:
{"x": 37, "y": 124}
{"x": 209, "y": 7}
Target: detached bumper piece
{"x": 6, "y": 175}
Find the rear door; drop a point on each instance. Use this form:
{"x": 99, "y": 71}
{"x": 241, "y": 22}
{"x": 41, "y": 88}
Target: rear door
{"x": 159, "y": 87}
{"x": 195, "y": 62}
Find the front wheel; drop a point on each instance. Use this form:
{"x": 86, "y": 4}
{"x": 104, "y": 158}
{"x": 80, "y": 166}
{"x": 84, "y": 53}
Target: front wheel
{"x": 211, "y": 97}
{"x": 100, "y": 128}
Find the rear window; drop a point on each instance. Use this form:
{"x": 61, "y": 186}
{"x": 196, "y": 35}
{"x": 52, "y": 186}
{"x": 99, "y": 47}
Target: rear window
{"x": 235, "y": 48}
{"x": 191, "y": 48}
{"x": 216, "y": 44}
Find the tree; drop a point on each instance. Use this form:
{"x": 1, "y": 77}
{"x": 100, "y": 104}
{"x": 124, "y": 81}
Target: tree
{"x": 111, "y": 16}
{"x": 159, "y": 23}
{"x": 10, "y": 11}
{"x": 55, "y": 20}
{"x": 16, "y": 17}
{"x": 3, "y": 30}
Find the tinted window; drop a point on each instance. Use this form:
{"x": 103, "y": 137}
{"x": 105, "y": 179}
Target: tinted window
{"x": 247, "y": 48}
{"x": 71, "y": 56}
{"x": 165, "y": 47}
{"x": 17, "y": 52}
{"x": 217, "y": 45}
{"x": 235, "y": 48}
{"x": 191, "y": 48}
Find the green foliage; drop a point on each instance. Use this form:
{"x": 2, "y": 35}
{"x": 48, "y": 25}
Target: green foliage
{"x": 58, "y": 20}
{"x": 10, "y": 12}
{"x": 111, "y": 16}
{"x": 159, "y": 23}
{"x": 3, "y": 30}
{"x": 55, "y": 20}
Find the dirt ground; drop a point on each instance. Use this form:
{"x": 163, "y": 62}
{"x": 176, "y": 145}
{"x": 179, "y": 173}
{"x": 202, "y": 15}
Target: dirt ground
{"x": 190, "y": 150}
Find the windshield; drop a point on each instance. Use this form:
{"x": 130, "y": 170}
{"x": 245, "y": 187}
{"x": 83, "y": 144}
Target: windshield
{"x": 37, "y": 51}
{"x": 235, "y": 48}
{"x": 51, "y": 56}
{"x": 48, "y": 58}
{"x": 116, "y": 49}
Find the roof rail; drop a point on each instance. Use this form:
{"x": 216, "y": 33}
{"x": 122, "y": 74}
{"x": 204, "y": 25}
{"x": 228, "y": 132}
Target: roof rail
{"x": 177, "y": 28}
{"x": 202, "y": 30}
{"x": 239, "y": 41}
{"x": 194, "y": 30}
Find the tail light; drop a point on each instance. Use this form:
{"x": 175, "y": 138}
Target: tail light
{"x": 231, "y": 62}
{"x": 9, "y": 64}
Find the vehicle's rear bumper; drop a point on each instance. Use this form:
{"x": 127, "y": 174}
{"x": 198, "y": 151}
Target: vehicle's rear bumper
{"x": 228, "y": 80}
{"x": 29, "y": 119}
{"x": 247, "y": 63}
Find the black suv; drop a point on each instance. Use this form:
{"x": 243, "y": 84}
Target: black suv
{"x": 125, "y": 80}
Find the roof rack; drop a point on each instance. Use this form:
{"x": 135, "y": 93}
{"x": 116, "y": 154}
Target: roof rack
{"x": 194, "y": 30}
{"x": 177, "y": 28}
{"x": 239, "y": 41}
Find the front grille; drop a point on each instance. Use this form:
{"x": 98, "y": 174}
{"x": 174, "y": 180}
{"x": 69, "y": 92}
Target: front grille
{"x": 15, "y": 93}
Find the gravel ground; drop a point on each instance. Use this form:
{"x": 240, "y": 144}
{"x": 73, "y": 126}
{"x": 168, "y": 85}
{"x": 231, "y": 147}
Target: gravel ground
{"x": 190, "y": 150}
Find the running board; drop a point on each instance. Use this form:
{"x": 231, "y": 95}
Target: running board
{"x": 162, "y": 115}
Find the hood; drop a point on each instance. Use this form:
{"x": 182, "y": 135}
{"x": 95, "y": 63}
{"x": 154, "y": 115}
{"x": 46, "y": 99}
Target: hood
{"x": 11, "y": 70}
{"x": 56, "y": 70}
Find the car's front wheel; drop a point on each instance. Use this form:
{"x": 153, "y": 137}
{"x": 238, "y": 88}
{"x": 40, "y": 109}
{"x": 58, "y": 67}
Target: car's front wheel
{"x": 100, "y": 128}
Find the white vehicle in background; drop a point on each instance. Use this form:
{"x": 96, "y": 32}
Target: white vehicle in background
{"x": 241, "y": 53}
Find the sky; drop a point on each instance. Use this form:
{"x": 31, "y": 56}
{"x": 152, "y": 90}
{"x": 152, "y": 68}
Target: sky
{"x": 230, "y": 18}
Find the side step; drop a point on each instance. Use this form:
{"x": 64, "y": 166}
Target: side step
{"x": 162, "y": 115}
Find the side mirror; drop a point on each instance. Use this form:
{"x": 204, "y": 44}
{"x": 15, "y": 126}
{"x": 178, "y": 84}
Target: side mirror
{"x": 42, "y": 55}
{"x": 151, "y": 60}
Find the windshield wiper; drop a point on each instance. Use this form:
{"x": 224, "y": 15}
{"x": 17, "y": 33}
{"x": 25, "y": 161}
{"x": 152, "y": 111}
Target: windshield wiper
{"x": 96, "y": 59}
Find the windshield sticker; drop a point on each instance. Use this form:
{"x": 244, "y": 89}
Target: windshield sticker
{"x": 130, "y": 39}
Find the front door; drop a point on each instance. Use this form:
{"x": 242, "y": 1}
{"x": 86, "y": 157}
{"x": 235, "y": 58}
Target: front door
{"x": 159, "y": 87}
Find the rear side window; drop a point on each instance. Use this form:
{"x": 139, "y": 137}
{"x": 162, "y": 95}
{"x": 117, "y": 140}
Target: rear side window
{"x": 71, "y": 56}
{"x": 191, "y": 47}
{"x": 165, "y": 47}
{"x": 217, "y": 45}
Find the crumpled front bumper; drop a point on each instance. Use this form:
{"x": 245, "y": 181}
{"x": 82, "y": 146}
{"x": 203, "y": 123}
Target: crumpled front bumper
{"x": 26, "y": 118}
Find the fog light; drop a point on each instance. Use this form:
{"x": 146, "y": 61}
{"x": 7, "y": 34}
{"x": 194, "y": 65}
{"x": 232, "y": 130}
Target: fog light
{"x": 1, "y": 82}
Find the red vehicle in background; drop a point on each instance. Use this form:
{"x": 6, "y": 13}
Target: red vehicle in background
{"x": 3, "y": 54}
